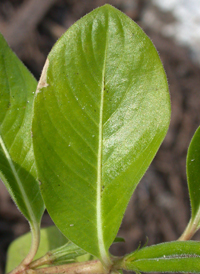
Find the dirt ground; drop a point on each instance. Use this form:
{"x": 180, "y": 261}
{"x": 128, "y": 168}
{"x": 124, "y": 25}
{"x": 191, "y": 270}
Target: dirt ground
{"x": 159, "y": 209}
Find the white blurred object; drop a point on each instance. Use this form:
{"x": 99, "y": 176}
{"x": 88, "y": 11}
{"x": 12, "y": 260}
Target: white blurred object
{"x": 186, "y": 28}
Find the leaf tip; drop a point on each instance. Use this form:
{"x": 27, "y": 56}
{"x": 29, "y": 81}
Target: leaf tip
{"x": 108, "y": 7}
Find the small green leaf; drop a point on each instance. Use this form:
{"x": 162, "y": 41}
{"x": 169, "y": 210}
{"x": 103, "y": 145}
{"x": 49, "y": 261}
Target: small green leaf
{"x": 17, "y": 165}
{"x": 101, "y": 112}
{"x": 165, "y": 257}
{"x": 71, "y": 253}
{"x": 67, "y": 253}
{"x": 51, "y": 238}
{"x": 64, "y": 254}
{"x": 193, "y": 169}
{"x": 118, "y": 240}
{"x": 193, "y": 179}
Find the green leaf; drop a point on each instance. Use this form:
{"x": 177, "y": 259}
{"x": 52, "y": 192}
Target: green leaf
{"x": 165, "y": 257}
{"x": 193, "y": 169}
{"x": 118, "y": 240}
{"x": 102, "y": 110}
{"x": 70, "y": 252}
{"x": 17, "y": 165}
{"x": 193, "y": 179}
{"x": 65, "y": 254}
{"x": 51, "y": 238}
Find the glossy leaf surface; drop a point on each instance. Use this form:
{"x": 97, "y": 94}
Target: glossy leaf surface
{"x": 193, "y": 168}
{"x": 165, "y": 257}
{"x": 51, "y": 238}
{"x": 102, "y": 110}
{"x": 17, "y": 166}
{"x": 193, "y": 179}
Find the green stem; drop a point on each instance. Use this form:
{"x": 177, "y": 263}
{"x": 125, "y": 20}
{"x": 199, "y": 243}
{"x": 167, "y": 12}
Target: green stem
{"x": 189, "y": 231}
{"x": 44, "y": 260}
{"x": 35, "y": 229}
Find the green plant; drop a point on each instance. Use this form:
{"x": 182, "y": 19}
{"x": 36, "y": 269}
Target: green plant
{"x": 87, "y": 136}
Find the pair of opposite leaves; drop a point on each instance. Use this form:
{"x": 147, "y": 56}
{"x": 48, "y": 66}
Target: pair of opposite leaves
{"x": 101, "y": 111}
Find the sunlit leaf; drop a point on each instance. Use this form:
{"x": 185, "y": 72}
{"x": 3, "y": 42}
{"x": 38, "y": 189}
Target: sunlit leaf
{"x": 101, "y": 112}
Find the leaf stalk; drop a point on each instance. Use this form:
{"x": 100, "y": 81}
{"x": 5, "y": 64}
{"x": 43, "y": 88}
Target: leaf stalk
{"x": 35, "y": 230}
{"x": 189, "y": 231}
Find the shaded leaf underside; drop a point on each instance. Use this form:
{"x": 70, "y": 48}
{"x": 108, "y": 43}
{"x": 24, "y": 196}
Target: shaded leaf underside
{"x": 17, "y": 166}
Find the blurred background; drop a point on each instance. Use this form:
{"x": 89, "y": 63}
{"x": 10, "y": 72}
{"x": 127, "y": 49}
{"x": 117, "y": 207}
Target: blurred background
{"x": 159, "y": 209}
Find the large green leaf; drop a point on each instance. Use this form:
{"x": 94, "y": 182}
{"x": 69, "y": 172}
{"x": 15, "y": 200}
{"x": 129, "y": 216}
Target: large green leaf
{"x": 50, "y": 238}
{"x": 17, "y": 166}
{"x": 165, "y": 257}
{"x": 102, "y": 110}
{"x": 193, "y": 178}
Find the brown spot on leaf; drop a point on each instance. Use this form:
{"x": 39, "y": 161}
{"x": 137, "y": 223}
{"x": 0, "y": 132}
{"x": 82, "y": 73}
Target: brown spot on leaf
{"x": 43, "y": 79}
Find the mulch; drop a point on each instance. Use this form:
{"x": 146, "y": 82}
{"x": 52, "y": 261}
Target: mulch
{"x": 159, "y": 209}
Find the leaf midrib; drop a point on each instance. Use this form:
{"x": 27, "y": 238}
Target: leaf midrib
{"x": 101, "y": 245}
{"x": 25, "y": 198}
